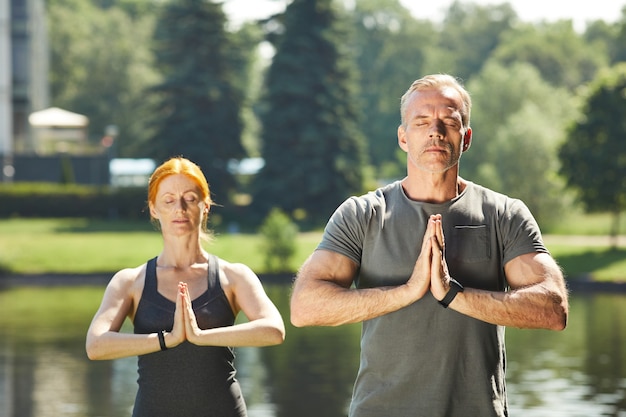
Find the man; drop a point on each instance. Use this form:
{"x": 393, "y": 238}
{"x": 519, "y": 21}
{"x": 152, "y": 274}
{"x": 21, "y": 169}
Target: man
{"x": 433, "y": 309}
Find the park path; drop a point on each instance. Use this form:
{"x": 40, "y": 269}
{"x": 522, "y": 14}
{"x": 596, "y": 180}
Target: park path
{"x": 583, "y": 240}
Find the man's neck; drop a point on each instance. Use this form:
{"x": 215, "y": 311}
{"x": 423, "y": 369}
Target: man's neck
{"x": 433, "y": 187}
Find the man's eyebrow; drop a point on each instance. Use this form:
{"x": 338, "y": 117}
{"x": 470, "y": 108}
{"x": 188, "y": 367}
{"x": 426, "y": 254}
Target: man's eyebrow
{"x": 454, "y": 116}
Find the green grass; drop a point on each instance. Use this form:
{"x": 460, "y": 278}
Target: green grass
{"x": 601, "y": 263}
{"x": 74, "y": 245}
{"x": 578, "y": 223}
{"x": 87, "y": 246}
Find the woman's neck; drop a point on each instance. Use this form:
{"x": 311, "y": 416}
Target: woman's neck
{"x": 181, "y": 254}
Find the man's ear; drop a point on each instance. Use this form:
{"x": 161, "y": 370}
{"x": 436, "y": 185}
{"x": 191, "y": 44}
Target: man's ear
{"x": 402, "y": 139}
{"x": 467, "y": 139}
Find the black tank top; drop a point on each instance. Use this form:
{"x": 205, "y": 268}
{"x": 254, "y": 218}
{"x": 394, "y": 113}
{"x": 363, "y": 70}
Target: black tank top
{"x": 188, "y": 380}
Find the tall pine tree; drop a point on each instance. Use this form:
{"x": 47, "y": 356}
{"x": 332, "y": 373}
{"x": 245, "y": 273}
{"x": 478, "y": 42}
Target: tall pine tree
{"x": 314, "y": 151}
{"x": 198, "y": 115}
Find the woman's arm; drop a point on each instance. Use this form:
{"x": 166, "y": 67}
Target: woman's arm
{"x": 265, "y": 325}
{"x": 104, "y": 340}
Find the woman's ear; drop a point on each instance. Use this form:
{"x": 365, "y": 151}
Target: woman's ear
{"x": 153, "y": 212}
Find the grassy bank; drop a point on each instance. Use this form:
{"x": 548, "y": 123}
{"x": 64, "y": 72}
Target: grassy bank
{"x": 87, "y": 246}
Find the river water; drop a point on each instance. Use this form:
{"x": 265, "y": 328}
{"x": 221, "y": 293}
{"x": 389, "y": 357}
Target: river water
{"x": 44, "y": 371}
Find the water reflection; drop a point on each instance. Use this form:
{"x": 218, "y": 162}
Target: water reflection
{"x": 44, "y": 371}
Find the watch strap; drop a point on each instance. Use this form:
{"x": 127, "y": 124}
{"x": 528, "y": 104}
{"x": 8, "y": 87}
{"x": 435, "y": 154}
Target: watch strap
{"x": 455, "y": 288}
{"x": 161, "y": 337}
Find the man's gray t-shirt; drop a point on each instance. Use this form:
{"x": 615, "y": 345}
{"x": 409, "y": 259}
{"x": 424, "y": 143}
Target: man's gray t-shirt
{"x": 425, "y": 360}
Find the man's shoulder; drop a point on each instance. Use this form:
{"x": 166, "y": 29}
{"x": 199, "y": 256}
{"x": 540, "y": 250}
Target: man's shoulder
{"x": 374, "y": 200}
{"x": 385, "y": 192}
{"x": 504, "y": 206}
{"x": 487, "y": 194}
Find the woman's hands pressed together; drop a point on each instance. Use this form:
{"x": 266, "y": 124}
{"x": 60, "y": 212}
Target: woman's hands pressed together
{"x": 185, "y": 324}
{"x": 189, "y": 317}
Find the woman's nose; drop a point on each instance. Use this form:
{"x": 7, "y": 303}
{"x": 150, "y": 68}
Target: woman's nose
{"x": 180, "y": 204}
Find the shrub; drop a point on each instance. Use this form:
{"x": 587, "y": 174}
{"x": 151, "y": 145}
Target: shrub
{"x": 279, "y": 235}
{"x": 52, "y": 200}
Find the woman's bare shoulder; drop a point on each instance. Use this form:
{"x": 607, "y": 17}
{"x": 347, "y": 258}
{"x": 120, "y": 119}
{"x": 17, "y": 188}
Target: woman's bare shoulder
{"x": 236, "y": 274}
{"x": 129, "y": 277}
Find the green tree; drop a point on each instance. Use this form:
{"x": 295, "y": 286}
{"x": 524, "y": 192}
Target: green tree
{"x": 313, "y": 149}
{"x": 198, "y": 114}
{"x": 518, "y": 122}
{"x": 470, "y": 33}
{"x": 133, "y": 8}
{"x": 619, "y": 45}
{"x": 594, "y": 156}
{"x": 101, "y": 65}
{"x": 561, "y": 55}
{"x": 604, "y": 36}
{"x": 392, "y": 49}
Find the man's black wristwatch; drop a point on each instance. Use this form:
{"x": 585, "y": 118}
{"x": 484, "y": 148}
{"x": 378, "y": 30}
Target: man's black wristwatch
{"x": 455, "y": 288}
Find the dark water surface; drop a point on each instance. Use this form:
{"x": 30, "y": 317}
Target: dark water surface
{"x": 44, "y": 371}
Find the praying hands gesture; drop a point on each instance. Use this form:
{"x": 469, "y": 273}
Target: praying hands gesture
{"x": 431, "y": 270}
{"x": 263, "y": 328}
{"x": 323, "y": 293}
{"x": 185, "y": 324}
{"x": 439, "y": 275}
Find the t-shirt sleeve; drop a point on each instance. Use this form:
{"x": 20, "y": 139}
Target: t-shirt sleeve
{"x": 520, "y": 232}
{"x": 345, "y": 230}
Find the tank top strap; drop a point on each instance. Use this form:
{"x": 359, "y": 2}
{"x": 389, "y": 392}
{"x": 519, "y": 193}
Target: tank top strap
{"x": 213, "y": 274}
{"x": 150, "y": 287}
{"x": 150, "y": 283}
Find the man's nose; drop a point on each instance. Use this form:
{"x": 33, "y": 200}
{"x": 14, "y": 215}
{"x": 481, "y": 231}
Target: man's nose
{"x": 436, "y": 130}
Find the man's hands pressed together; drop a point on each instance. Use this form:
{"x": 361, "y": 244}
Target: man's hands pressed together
{"x": 431, "y": 270}
{"x": 439, "y": 275}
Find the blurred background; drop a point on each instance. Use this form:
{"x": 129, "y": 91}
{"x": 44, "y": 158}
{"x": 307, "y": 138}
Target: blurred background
{"x": 289, "y": 107}
{"x": 269, "y": 96}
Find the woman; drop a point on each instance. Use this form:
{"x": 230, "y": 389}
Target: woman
{"x": 183, "y": 304}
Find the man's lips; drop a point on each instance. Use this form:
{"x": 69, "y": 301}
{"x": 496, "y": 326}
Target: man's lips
{"x": 436, "y": 149}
